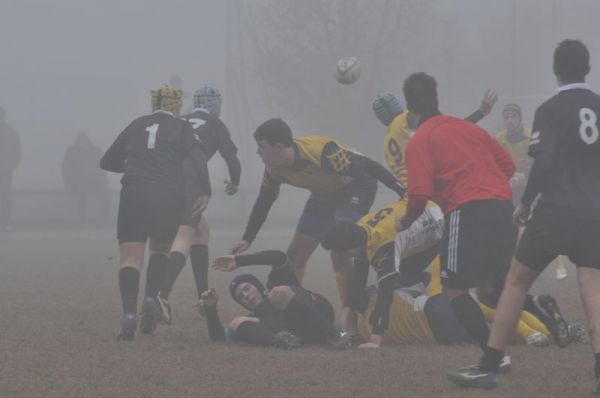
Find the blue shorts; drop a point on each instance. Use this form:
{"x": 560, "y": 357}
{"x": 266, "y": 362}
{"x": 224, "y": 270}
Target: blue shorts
{"x": 321, "y": 211}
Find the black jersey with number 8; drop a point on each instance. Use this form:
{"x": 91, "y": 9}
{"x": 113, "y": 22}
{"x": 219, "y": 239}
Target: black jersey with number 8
{"x": 566, "y": 135}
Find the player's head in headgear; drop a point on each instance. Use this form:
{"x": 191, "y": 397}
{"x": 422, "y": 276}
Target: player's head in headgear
{"x": 420, "y": 91}
{"x": 344, "y": 236}
{"x": 209, "y": 98}
{"x": 512, "y": 118}
{"x": 275, "y": 143}
{"x": 386, "y": 107}
{"x": 167, "y": 99}
{"x": 247, "y": 291}
{"x": 571, "y": 62}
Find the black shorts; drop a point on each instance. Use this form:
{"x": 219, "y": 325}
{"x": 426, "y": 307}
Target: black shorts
{"x": 549, "y": 233}
{"x": 478, "y": 244}
{"x": 300, "y": 318}
{"x": 148, "y": 211}
{"x": 444, "y": 325}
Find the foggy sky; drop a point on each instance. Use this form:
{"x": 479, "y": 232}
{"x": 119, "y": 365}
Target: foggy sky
{"x": 71, "y": 65}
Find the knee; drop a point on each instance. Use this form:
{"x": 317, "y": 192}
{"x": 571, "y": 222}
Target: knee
{"x": 281, "y": 296}
{"x": 296, "y": 257}
{"x": 237, "y": 321}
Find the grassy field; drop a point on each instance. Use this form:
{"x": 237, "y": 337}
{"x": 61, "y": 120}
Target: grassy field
{"x": 60, "y": 309}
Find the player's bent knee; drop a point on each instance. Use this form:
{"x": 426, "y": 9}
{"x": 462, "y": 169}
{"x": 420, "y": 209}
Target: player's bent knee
{"x": 280, "y": 296}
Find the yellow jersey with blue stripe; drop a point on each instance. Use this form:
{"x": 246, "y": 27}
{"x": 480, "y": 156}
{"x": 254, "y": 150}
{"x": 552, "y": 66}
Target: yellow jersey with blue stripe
{"x": 323, "y": 165}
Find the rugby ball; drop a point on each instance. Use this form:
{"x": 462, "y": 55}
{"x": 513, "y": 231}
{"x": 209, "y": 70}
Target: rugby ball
{"x": 348, "y": 70}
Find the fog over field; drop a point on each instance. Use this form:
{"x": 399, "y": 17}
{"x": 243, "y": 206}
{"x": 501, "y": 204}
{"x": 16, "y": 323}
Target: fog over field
{"x": 83, "y": 65}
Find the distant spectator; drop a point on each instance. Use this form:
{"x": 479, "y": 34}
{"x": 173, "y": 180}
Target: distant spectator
{"x": 10, "y": 157}
{"x": 85, "y": 182}
{"x": 515, "y": 139}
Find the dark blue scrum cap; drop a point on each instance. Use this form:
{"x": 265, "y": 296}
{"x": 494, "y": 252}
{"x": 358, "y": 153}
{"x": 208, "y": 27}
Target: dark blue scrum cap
{"x": 241, "y": 278}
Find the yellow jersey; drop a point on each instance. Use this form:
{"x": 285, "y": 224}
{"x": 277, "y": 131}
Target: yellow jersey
{"x": 323, "y": 165}
{"x": 518, "y": 150}
{"x": 394, "y": 146}
{"x": 406, "y": 326}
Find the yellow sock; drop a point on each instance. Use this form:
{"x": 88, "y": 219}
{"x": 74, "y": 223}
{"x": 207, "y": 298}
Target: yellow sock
{"x": 559, "y": 262}
{"x": 488, "y": 313}
{"x": 342, "y": 278}
{"x": 435, "y": 285}
{"x": 533, "y": 322}
{"x": 299, "y": 272}
{"x": 523, "y": 329}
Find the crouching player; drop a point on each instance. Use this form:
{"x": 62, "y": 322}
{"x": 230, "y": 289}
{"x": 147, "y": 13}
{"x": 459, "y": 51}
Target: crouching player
{"x": 399, "y": 260}
{"x": 283, "y": 314}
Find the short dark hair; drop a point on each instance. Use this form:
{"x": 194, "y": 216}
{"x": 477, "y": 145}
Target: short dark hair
{"x": 571, "y": 61}
{"x": 420, "y": 91}
{"x": 274, "y": 131}
{"x": 343, "y": 235}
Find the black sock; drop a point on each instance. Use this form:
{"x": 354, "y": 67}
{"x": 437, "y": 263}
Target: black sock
{"x": 470, "y": 316}
{"x": 157, "y": 267}
{"x": 308, "y": 323}
{"x": 490, "y": 362}
{"x": 199, "y": 259}
{"x": 176, "y": 264}
{"x": 597, "y": 365}
{"x": 129, "y": 285}
{"x": 254, "y": 333}
{"x": 530, "y": 307}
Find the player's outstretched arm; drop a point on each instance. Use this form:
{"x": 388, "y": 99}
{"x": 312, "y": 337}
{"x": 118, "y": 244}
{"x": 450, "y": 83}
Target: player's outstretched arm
{"x": 260, "y": 211}
{"x": 487, "y": 103}
{"x": 216, "y": 331}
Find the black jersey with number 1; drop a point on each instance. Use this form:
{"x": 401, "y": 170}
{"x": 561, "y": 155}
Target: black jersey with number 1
{"x": 565, "y": 145}
{"x": 152, "y": 149}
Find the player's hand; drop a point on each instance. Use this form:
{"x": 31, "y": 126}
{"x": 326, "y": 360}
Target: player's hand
{"x": 400, "y": 225}
{"x": 200, "y": 205}
{"x": 224, "y": 263}
{"x": 239, "y": 247}
{"x": 488, "y": 101}
{"x": 209, "y": 298}
{"x": 373, "y": 344}
{"x": 521, "y": 215}
{"x": 230, "y": 188}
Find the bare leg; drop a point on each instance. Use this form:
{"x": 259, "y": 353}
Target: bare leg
{"x": 518, "y": 281}
{"x": 589, "y": 287}
{"x": 299, "y": 251}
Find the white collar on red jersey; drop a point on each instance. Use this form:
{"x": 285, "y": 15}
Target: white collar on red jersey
{"x": 574, "y": 86}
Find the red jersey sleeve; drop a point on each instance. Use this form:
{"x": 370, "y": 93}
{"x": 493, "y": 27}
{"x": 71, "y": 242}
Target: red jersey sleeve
{"x": 419, "y": 163}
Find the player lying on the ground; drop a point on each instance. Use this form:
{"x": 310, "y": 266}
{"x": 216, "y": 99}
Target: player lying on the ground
{"x": 399, "y": 259}
{"x": 416, "y": 317}
{"x": 193, "y": 234}
{"x": 283, "y": 314}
